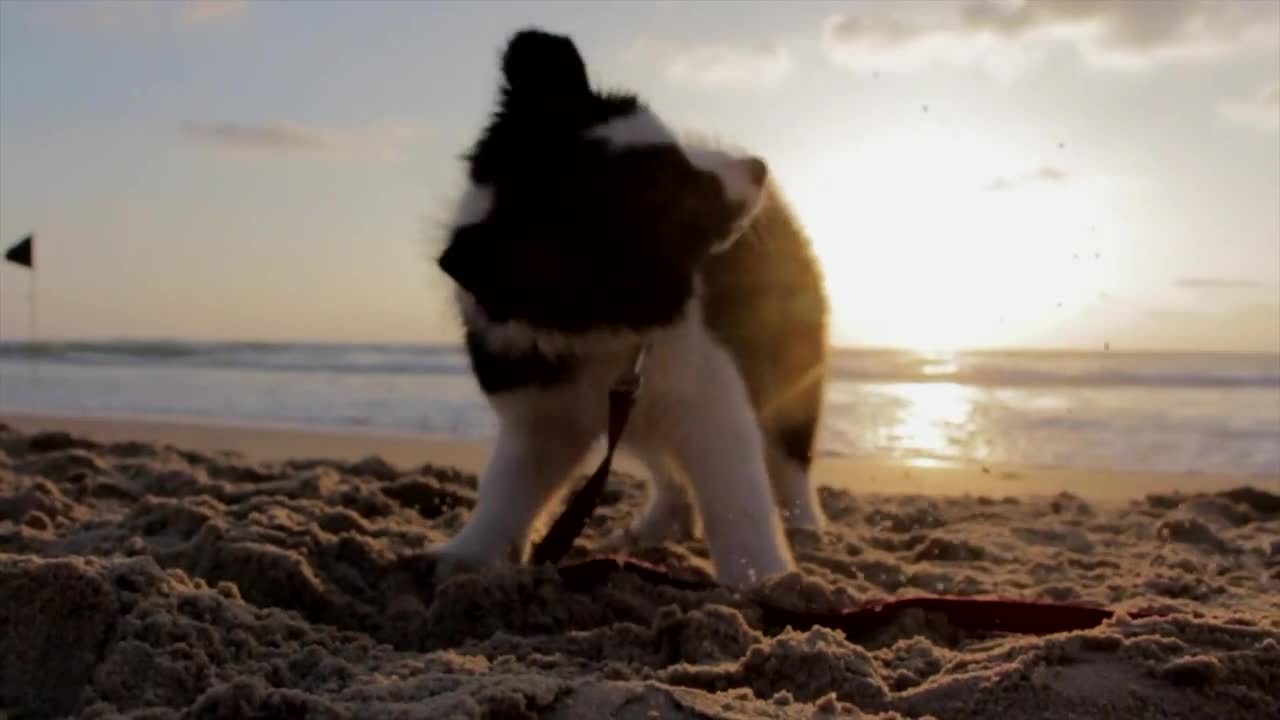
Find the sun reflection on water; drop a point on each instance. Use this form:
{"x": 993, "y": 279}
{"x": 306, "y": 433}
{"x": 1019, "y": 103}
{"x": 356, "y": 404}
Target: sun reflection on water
{"x": 934, "y": 419}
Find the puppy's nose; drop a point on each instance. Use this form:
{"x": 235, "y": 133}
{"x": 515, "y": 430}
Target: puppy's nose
{"x": 757, "y": 170}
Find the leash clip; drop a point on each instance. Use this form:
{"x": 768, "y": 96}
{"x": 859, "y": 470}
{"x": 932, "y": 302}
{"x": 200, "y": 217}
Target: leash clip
{"x": 631, "y": 379}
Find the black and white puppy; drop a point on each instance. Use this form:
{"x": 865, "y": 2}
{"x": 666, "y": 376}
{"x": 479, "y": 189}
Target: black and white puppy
{"x": 590, "y": 227}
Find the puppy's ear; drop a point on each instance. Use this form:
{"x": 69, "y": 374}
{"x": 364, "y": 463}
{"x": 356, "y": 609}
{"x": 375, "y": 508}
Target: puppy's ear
{"x": 540, "y": 66}
{"x": 472, "y": 259}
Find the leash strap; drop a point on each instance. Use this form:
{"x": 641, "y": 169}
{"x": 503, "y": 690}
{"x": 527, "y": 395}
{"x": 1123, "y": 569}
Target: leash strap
{"x": 991, "y": 614}
{"x": 622, "y": 398}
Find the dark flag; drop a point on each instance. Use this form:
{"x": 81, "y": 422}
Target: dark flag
{"x": 23, "y": 252}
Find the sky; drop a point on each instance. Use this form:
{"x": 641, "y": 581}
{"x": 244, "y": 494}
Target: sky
{"x": 997, "y": 173}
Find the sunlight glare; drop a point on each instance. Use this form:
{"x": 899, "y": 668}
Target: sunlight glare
{"x": 920, "y": 250}
{"x": 933, "y": 419}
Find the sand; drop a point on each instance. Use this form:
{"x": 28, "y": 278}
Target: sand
{"x": 141, "y": 578}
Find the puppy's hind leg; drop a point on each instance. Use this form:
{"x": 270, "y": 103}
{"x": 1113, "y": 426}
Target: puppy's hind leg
{"x": 670, "y": 513}
{"x": 794, "y": 491}
{"x": 790, "y": 426}
{"x": 716, "y": 439}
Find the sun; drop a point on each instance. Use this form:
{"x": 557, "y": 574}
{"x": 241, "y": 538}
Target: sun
{"x": 923, "y": 247}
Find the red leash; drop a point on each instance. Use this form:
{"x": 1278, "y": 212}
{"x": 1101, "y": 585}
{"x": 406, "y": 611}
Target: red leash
{"x": 969, "y": 613}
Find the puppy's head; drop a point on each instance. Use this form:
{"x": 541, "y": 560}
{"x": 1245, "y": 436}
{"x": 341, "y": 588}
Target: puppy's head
{"x": 585, "y": 211}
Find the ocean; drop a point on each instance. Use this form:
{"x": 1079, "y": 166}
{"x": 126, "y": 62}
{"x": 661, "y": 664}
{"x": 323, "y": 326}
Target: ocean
{"x": 1180, "y": 413}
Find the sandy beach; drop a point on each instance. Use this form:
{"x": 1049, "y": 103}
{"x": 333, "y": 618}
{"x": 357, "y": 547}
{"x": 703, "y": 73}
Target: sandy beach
{"x": 157, "y": 569}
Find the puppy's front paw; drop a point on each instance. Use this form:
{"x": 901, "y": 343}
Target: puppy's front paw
{"x": 461, "y": 558}
{"x": 449, "y": 564}
{"x": 416, "y": 579}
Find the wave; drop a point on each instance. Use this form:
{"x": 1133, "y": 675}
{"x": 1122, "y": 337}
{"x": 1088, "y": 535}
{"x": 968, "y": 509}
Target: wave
{"x": 263, "y": 356}
{"x": 983, "y": 369}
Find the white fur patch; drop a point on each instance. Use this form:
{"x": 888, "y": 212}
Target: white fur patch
{"x": 732, "y": 171}
{"x": 638, "y": 128}
{"x": 735, "y": 177}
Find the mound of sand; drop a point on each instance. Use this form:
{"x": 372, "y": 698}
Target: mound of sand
{"x": 155, "y": 582}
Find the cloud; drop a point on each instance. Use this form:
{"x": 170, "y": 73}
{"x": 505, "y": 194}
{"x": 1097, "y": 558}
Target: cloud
{"x": 1260, "y": 111}
{"x": 199, "y": 12}
{"x": 759, "y": 65}
{"x": 386, "y": 140}
{"x": 918, "y": 39}
{"x": 1215, "y": 283}
{"x": 144, "y": 15}
{"x": 1007, "y": 36}
{"x": 1044, "y": 174}
{"x": 260, "y": 137}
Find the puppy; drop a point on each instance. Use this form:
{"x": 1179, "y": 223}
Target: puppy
{"x": 588, "y": 229}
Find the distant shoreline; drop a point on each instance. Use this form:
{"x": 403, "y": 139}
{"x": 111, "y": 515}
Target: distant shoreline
{"x": 258, "y": 442}
{"x": 7, "y": 343}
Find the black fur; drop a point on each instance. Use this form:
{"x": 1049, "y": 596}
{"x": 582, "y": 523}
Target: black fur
{"x": 581, "y": 237}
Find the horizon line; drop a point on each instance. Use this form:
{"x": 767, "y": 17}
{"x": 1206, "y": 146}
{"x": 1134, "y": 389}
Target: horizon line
{"x": 990, "y": 349}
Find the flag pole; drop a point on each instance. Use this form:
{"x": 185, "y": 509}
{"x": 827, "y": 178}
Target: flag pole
{"x": 33, "y": 316}
{"x": 32, "y": 326}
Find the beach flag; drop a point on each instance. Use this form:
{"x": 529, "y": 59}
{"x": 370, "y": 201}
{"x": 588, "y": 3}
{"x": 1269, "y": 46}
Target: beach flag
{"x": 23, "y": 252}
